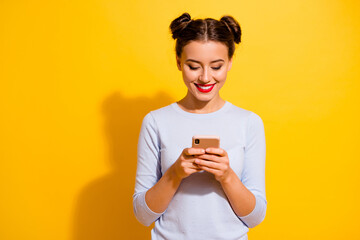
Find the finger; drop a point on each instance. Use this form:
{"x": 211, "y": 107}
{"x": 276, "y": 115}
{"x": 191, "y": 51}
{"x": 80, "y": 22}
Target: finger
{"x": 210, "y": 157}
{"x": 208, "y": 164}
{"x": 216, "y": 151}
{"x": 190, "y": 165}
{"x": 193, "y": 151}
{"x": 211, "y": 170}
{"x": 194, "y": 165}
{"x": 195, "y": 168}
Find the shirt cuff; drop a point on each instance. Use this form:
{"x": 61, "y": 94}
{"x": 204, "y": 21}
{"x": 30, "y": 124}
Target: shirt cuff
{"x": 257, "y": 215}
{"x": 142, "y": 211}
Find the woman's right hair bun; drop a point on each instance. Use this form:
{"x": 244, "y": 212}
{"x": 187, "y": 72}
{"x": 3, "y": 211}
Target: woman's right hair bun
{"x": 233, "y": 26}
{"x": 179, "y": 24}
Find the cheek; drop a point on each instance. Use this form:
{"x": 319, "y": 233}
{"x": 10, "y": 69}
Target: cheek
{"x": 221, "y": 75}
{"x": 189, "y": 76}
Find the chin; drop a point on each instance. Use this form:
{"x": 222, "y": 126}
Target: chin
{"x": 204, "y": 98}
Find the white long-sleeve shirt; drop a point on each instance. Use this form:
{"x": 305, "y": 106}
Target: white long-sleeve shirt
{"x": 199, "y": 209}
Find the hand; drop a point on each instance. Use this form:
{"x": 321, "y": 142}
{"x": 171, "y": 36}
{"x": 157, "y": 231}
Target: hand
{"x": 215, "y": 161}
{"x": 185, "y": 164}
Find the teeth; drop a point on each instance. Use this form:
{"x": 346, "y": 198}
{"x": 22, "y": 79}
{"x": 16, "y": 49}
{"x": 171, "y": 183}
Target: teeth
{"x": 205, "y": 88}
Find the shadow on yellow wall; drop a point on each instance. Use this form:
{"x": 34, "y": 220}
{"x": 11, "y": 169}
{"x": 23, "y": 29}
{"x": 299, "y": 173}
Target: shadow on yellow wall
{"x": 104, "y": 207}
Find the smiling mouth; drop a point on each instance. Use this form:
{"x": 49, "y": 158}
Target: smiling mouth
{"x": 205, "y": 88}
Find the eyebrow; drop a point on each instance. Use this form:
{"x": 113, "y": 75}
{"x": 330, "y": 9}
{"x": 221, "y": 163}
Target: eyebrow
{"x": 192, "y": 60}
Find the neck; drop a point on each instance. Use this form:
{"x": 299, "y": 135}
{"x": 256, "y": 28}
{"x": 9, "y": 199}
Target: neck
{"x": 191, "y": 104}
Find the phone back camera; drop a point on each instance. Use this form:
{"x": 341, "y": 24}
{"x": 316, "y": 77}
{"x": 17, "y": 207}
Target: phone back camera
{"x": 197, "y": 141}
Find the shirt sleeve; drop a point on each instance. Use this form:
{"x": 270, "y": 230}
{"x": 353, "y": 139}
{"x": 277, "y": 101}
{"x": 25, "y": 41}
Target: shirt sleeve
{"x": 253, "y": 175}
{"x": 148, "y": 169}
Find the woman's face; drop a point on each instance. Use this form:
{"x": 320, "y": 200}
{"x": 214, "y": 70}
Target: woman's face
{"x": 204, "y": 67}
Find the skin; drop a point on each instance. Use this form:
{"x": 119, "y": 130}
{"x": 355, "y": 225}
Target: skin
{"x": 202, "y": 63}
{"x": 203, "y": 70}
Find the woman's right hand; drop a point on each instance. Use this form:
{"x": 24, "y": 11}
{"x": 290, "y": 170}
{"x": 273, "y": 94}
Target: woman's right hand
{"x": 185, "y": 165}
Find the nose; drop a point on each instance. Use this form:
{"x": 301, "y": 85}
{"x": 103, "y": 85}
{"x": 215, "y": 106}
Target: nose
{"x": 205, "y": 76}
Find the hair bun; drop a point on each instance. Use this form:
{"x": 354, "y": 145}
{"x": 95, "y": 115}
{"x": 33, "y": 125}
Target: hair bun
{"x": 179, "y": 24}
{"x": 233, "y": 26}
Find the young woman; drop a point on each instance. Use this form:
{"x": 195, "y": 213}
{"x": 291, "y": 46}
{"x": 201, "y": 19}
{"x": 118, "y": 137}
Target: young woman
{"x": 194, "y": 193}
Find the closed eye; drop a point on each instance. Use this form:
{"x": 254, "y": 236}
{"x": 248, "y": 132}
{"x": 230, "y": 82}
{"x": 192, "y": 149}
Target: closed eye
{"x": 193, "y": 68}
{"x": 216, "y": 68}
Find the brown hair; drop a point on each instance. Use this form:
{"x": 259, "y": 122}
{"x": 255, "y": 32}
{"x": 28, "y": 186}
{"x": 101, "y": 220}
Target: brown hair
{"x": 227, "y": 31}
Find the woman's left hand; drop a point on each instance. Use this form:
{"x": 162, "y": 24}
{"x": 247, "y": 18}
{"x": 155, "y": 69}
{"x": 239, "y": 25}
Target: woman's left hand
{"x": 215, "y": 161}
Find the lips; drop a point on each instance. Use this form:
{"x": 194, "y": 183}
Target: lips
{"x": 205, "y": 88}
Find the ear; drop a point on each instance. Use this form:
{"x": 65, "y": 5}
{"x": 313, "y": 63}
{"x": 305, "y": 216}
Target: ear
{"x": 230, "y": 64}
{"x": 178, "y": 63}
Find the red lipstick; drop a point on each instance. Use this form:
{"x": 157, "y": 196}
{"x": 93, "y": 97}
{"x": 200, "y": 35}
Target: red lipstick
{"x": 205, "y": 88}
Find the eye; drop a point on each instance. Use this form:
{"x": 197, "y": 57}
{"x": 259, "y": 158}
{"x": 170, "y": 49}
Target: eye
{"x": 193, "y": 68}
{"x": 217, "y": 68}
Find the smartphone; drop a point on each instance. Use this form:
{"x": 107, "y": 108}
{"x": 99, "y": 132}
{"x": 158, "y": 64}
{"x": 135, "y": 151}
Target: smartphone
{"x": 205, "y": 141}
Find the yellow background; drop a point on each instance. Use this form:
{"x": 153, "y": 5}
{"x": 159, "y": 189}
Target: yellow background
{"x": 77, "y": 77}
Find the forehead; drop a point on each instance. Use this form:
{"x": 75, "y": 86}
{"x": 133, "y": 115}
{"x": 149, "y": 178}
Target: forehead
{"x": 205, "y": 51}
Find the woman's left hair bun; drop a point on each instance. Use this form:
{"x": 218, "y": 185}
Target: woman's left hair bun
{"x": 179, "y": 24}
{"x": 233, "y": 26}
